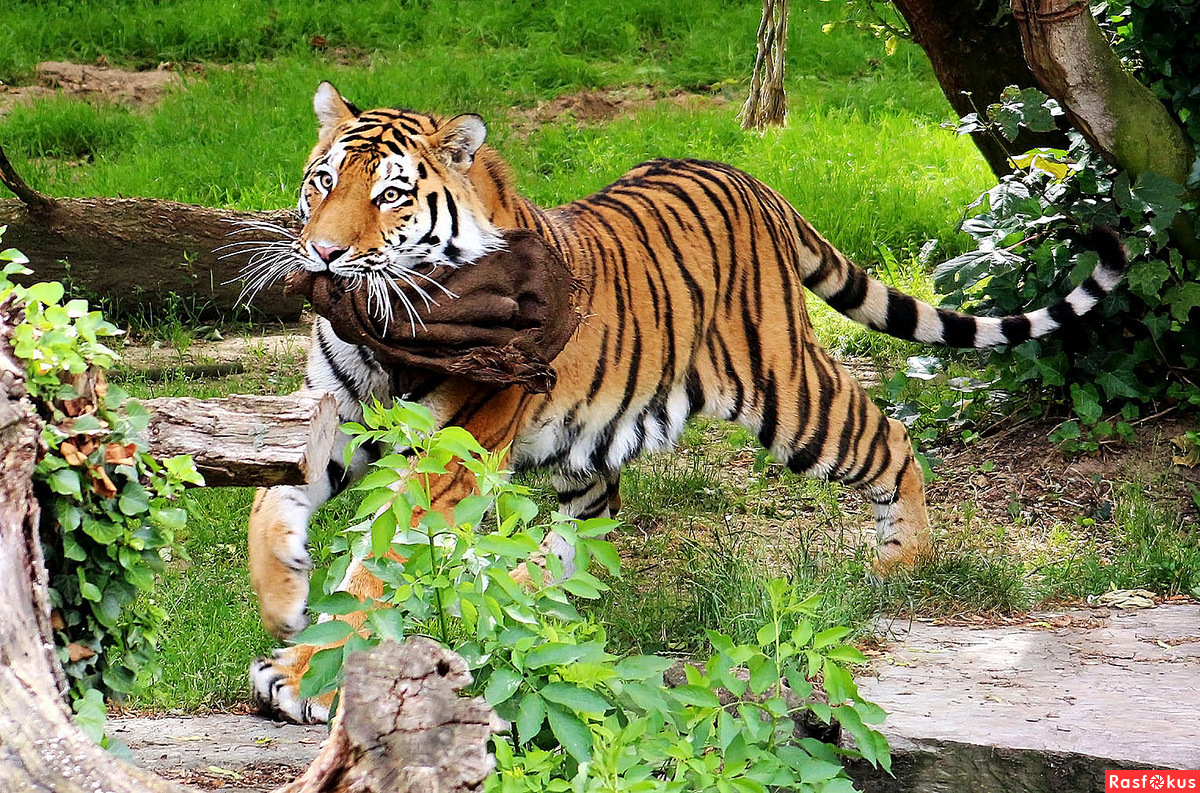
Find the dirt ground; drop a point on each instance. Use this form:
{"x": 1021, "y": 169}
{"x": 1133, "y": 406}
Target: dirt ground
{"x": 93, "y": 82}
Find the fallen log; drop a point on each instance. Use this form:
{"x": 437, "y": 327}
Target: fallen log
{"x": 247, "y": 440}
{"x": 402, "y": 727}
{"x": 140, "y": 249}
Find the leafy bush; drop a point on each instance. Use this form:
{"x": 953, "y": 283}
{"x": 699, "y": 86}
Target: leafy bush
{"x": 583, "y": 718}
{"x": 109, "y": 515}
{"x": 1030, "y": 249}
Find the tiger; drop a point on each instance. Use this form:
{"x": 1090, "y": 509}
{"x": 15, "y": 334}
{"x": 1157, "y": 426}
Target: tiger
{"x": 693, "y": 276}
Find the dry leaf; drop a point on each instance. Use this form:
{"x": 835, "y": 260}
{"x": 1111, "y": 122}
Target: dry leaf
{"x": 1189, "y": 451}
{"x": 70, "y": 452}
{"x": 77, "y": 652}
{"x": 116, "y": 454}
{"x": 101, "y": 483}
{"x": 56, "y": 620}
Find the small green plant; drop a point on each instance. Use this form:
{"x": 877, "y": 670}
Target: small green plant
{"x": 583, "y": 718}
{"x": 110, "y": 512}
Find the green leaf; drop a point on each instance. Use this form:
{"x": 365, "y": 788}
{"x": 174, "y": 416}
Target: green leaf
{"x": 838, "y": 683}
{"x": 830, "y": 636}
{"x": 577, "y": 698}
{"x": 606, "y": 554}
{"x": 643, "y": 667}
{"x": 134, "y": 499}
{"x": 560, "y": 654}
{"x": 322, "y": 674}
{"x": 698, "y": 696}
{"x": 328, "y": 632}
{"x": 338, "y": 603}
{"x": 383, "y": 529}
{"x": 530, "y": 716}
{"x": 65, "y": 481}
{"x": 472, "y": 509}
{"x": 847, "y": 654}
{"x": 387, "y": 623}
{"x": 571, "y": 732}
{"x": 501, "y": 685}
{"x": 517, "y": 546}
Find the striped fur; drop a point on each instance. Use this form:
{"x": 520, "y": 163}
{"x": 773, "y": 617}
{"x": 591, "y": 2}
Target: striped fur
{"x": 694, "y": 303}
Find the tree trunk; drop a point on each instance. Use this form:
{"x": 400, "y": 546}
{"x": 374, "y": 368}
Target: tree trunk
{"x": 403, "y": 728}
{"x": 767, "y": 103}
{"x": 246, "y": 440}
{"x": 975, "y": 51}
{"x": 139, "y": 250}
{"x": 1119, "y": 116}
{"x": 435, "y": 743}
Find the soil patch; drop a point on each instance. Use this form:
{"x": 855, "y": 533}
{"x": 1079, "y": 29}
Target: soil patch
{"x": 94, "y": 83}
{"x": 605, "y": 104}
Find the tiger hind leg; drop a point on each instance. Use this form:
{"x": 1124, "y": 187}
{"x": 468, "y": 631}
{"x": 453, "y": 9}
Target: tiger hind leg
{"x": 848, "y": 439}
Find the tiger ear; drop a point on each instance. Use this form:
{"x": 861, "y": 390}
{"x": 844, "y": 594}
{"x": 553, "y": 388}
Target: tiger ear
{"x": 331, "y": 108}
{"x": 458, "y": 139}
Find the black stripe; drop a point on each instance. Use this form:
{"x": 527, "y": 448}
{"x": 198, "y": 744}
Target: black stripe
{"x": 1016, "y": 329}
{"x": 853, "y": 291}
{"x": 1062, "y": 312}
{"x": 958, "y": 330}
{"x": 901, "y": 314}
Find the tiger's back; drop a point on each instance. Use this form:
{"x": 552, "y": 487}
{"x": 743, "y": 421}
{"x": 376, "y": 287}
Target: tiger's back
{"x": 693, "y": 301}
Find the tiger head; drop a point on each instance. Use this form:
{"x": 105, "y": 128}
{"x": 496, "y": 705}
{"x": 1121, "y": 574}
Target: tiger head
{"x": 387, "y": 198}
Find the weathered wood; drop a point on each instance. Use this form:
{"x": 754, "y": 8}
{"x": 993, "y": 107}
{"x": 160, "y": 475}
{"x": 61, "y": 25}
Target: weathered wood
{"x": 247, "y": 440}
{"x": 767, "y": 103}
{"x": 132, "y": 250}
{"x": 403, "y": 726}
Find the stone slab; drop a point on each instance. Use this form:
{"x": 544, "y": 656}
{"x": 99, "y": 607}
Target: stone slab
{"x": 1044, "y": 706}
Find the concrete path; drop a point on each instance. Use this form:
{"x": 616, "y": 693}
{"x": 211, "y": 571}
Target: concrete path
{"x": 235, "y": 752}
{"x": 1045, "y": 706}
{"x": 1042, "y": 707}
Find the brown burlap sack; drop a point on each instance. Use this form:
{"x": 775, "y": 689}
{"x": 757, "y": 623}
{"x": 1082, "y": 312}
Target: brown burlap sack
{"x": 514, "y": 312}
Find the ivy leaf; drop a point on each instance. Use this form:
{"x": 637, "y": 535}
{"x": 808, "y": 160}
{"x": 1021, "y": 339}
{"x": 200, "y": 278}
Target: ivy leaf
{"x": 1147, "y": 277}
{"x": 1183, "y": 299}
{"x": 90, "y": 713}
{"x": 134, "y": 499}
{"x": 1086, "y": 402}
{"x": 65, "y": 481}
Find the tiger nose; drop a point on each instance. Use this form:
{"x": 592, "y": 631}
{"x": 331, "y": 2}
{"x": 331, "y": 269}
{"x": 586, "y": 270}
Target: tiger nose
{"x": 328, "y": 253}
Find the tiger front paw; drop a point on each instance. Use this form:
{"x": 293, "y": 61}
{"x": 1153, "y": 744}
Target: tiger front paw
{"x": 275, "y": 683}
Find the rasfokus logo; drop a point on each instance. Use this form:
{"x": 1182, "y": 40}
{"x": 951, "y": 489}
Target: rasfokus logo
{"x": 1152, "y": 780}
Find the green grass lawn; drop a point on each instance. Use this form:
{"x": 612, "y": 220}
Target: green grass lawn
{"x": 863, "y": 157}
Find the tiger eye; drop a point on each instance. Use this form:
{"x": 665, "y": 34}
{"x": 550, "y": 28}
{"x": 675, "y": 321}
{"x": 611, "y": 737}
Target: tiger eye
{"x": 389, "y": 195}
{"x": 325, "y": 180}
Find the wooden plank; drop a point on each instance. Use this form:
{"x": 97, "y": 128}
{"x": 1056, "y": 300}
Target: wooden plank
{"x": 246, "y": 439}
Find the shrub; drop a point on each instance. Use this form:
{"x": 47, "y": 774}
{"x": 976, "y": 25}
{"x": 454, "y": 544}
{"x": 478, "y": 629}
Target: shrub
{"x": 583, "y": 717}
{"x": 109, "y": 516}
